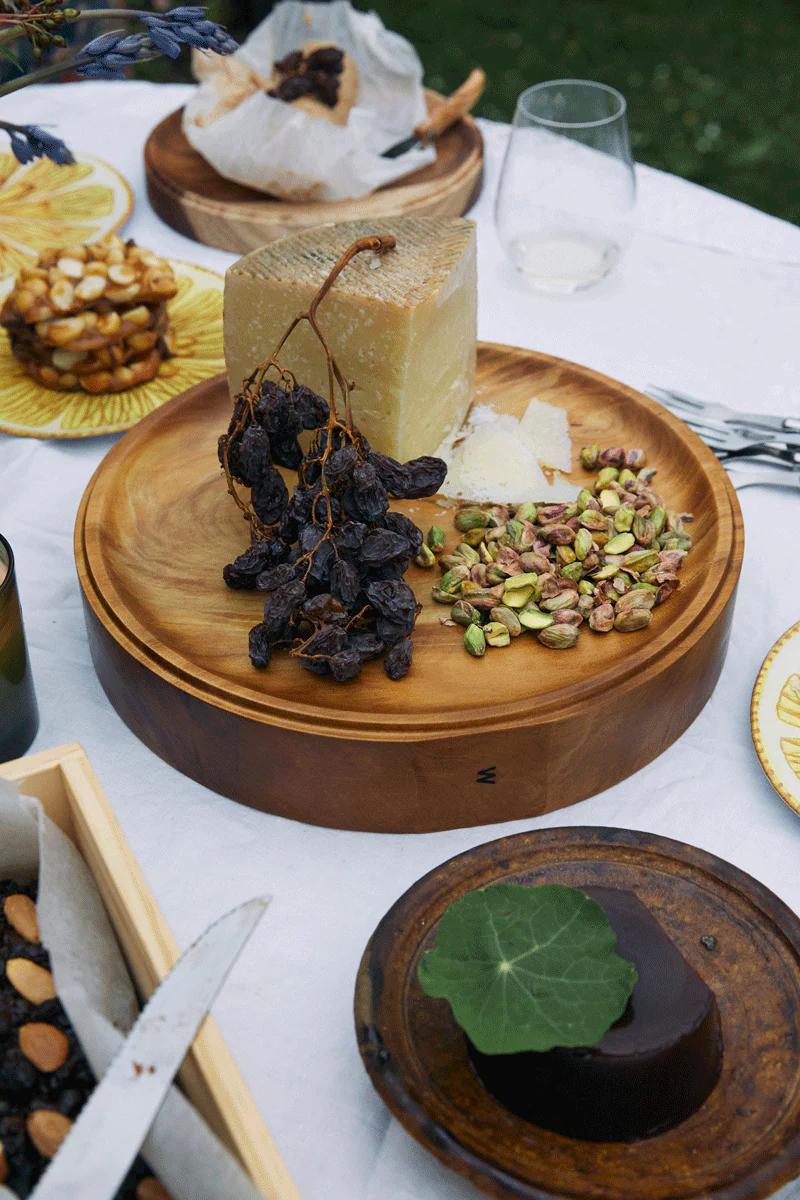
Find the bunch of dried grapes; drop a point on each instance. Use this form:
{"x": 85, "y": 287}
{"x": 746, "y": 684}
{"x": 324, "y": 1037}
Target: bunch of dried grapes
{"x": 331, "y": 557}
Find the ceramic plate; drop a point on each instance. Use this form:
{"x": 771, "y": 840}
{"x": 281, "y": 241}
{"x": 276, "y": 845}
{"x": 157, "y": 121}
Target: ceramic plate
{"x": 742, "y": 1143}
{"x": 775, "y": 716}
{"x": 44, "y": 205}
{"x": 30, "y": 410}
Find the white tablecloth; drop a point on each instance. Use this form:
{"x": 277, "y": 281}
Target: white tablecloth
{"x": 721, "y": 323}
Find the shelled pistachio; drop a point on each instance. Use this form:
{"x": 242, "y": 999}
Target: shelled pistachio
{"x": 607, "y": 560}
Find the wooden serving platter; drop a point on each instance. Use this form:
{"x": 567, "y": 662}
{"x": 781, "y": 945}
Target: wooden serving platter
{"x": 741, "y": 1144}
{"x": 63, "y": 781}
{"x": 460, "y": 741}
{"x": 193, "y": 198}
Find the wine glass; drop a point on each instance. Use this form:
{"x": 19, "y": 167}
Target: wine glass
{"x": 567, "y": 186}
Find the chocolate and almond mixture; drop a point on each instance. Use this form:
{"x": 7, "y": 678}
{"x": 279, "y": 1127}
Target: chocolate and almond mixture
{"x": 44, "y": 1077}
{"x": 315, "y": 75}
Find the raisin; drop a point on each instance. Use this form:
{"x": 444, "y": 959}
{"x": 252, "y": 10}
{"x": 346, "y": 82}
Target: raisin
{"x": 382, "y": 545}
{"x": 397, "y": 663}
{"x": 310, "y": 408}
{"x": 270, "y": 496}
{"x": 245, "y": 570}
{"x": 345, "y": 583}
{"x": 345, "y": 665}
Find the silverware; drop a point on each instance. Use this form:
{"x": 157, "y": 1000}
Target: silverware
{"x": 754, "y": 473}
{"x": 104, "y": 1140}
{"x": 747, "y": 424}
{"x": 728, "y": 444}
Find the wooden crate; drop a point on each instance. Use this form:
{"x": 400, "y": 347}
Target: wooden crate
{"x": 64, "y": 782}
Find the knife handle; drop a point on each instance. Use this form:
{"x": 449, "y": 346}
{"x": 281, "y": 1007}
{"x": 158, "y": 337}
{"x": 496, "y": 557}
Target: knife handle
{"x": 453, "y": 108}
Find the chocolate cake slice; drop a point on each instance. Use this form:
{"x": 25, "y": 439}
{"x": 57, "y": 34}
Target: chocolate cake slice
{"x": 653, "y": 1068}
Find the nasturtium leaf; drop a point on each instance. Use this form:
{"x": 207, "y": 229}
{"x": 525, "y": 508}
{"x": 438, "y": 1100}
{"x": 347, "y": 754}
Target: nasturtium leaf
{"x": 528, "y": 968}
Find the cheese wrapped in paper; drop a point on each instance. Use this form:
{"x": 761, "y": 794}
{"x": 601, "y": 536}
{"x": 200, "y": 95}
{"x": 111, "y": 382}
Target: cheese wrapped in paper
{"x": 402, "y": 326}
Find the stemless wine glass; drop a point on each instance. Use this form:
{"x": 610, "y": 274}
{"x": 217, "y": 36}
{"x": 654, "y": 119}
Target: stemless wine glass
{"x": 567, "y": 185}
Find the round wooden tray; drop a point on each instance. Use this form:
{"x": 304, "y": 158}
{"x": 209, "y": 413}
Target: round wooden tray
{"x": 193, "y": 198}
{"x": 744, "y": 1142}
{"x": 460, "y": 741}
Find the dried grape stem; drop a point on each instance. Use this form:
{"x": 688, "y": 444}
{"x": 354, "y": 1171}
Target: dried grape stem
{"x": 253, "y": 384}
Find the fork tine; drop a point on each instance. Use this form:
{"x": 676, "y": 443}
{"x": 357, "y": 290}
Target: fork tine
{"x": 706, "y": 427}
{"x": 679, "y": 399}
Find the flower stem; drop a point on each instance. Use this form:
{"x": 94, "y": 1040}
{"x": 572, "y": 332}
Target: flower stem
{"x": 17, "y": 31}
{"x": 14, "y": 85}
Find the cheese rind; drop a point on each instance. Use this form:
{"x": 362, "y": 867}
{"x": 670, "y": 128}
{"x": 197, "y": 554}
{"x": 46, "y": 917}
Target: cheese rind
{"x": 402, "y": 326}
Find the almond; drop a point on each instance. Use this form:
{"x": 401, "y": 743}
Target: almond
{"x": 138, "y": 316}
{"x": 150, "y": 1189}
{"x": 20, "y": 912}
{"x": 71, "y": 267}
{"x": 78, "y": 250}
{"x": 140, "y": 342}
{"x": 65, "y": 330}
{"x": 91, "y": 288}
{"x": 96, "y": 268}
{"x": 108, "y": 324}
{"x": 123, "y": 295}
{"x": 33, "y": 982}
{"x": 65, "y": 360}
{"x": 38, "y": 286}
{"x": 69, "y": 380}
{"x": 62, "y": 295}
{"x": 164, "y": 285}
{"x": 124, "y": 377}
{"x": 24, "y": 300}
{"x": 96, "y": 381}
{"x": 43, "y": 1045}
{"x": 48, "y": 376}
{"x": 47, "y": 1130}
{"x": 121, "y": 274}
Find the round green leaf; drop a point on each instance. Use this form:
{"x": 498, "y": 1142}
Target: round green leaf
{"x": 528, "y": 968}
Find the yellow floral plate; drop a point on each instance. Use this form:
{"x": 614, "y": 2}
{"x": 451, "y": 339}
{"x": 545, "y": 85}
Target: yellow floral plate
{"x": 30, "y": 410}
{"x": 44, "y": 205}
{"x": 775, "y": 716}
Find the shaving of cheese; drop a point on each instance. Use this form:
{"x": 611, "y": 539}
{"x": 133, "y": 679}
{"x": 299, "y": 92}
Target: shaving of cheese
{"x": 497, "y": 458}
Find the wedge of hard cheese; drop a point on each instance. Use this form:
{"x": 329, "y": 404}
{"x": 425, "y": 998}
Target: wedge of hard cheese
{"x": 402, "y": 325}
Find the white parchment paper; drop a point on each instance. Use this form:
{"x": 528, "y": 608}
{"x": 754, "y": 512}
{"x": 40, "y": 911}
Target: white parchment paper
{"x": 275, "y": 147}
{"x": 94, "y": 987}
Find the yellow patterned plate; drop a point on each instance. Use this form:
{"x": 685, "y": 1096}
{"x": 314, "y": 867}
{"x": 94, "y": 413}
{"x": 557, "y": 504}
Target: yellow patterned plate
{"x": 30, "y": 410}
{"x": 775, "y": 716}
{"x": 44, "y": 205}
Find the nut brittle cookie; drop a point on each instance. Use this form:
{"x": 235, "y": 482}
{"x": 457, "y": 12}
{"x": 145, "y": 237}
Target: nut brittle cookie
{"x": 74, "y": 278}
{"x": 92, "y": 318}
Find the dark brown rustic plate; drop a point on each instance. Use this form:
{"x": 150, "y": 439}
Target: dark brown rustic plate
{"x": 743, "y": 1142}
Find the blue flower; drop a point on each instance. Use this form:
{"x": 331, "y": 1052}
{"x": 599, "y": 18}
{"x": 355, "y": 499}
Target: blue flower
{"x": 30, "y": 141}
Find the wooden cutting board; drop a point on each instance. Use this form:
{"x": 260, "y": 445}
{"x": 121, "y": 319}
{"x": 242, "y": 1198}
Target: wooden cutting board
{"x": 193, "y": 198}
{"x": 459, "y": 742}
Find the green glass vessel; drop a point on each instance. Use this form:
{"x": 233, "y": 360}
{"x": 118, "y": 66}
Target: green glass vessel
{"x": 19, "y": 713}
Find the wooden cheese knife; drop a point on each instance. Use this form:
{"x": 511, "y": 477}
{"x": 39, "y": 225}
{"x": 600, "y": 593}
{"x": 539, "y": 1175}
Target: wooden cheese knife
{"x": 444, "y": 115}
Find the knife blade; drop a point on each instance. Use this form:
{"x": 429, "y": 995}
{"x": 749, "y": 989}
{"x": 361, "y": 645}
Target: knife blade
{"x": 100, "y": 1147}
{"x": 443, "y": 115}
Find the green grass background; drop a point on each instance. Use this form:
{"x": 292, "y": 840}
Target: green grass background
{"x": 712, "y": 85}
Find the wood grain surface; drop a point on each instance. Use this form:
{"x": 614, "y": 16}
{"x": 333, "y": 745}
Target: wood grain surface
{"x": 193, "y": 198}
{"x": 460, "y": 741}
{"x": 741, "y": 1144}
